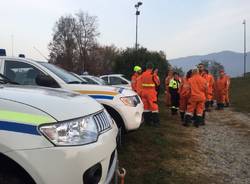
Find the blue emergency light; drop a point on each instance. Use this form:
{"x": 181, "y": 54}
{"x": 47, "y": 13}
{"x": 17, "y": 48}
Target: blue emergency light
{"x": 2, "y": 52}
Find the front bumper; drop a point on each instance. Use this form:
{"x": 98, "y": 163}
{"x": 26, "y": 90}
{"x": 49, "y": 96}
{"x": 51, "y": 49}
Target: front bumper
{"x": 132, "y": 116}
{"x": 66, "y": 165}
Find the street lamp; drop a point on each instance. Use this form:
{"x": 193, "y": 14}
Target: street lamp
{"x": 245, "y": 54}
{"x": 137, "y": 14}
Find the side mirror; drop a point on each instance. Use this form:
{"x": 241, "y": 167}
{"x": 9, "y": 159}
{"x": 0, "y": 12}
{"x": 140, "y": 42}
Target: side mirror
{"x": 46, "y": 81}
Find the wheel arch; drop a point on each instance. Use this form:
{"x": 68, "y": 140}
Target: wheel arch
{"x": 9, "y": 166}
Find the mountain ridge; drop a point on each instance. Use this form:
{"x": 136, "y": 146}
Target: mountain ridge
{"x": 231, "y": 60}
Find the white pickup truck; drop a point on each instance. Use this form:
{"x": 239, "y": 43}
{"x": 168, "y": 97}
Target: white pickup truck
{"x": 54, "y": 136}
{"x": 124, "y": 105}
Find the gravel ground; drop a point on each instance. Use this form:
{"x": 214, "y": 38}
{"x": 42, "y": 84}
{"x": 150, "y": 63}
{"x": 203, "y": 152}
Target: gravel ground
{"x": 224, "y": 144}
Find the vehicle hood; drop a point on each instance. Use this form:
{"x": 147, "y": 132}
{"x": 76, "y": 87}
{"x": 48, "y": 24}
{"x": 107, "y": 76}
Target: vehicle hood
{"x": 59, "y": 104}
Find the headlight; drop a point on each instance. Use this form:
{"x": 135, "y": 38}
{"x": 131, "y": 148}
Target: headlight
{"x": 130, "y": 100}
{"x": 73, "y": 132}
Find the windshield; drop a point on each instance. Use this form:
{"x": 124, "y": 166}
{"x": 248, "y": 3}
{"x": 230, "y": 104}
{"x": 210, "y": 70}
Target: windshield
{"x": 103, "y": 82}
{"x": 61, "y": 73}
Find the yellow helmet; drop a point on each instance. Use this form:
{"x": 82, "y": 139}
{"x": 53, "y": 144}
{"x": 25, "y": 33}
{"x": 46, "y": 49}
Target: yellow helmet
{"x": 137, "y": 68}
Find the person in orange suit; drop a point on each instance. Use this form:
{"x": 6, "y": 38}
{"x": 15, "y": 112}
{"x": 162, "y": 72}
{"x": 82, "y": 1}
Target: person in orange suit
{"x": 210, "y": 82}
{"x": 196, "y": 102}
{"x": 137, "y": 72}
{"x": 149, "y": 96}
{"x": 167, "y": 93}
{"x": 184, "y": 92}
{"x": 139, "y": 85}
{"x": 227, "y": 101}
{"x": 222, "y": 86}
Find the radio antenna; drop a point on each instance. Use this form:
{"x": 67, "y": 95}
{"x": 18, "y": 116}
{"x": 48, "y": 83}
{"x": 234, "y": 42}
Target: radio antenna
{"x": 40, "y": 53}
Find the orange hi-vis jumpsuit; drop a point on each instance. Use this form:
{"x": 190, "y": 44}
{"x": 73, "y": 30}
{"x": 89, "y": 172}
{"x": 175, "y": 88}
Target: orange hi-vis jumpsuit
{"x": 156, "y": 80}
{"x": 149, "y": 94}
{"x": 184, "y": 92}
{"x": 167, "y": 94}
{"x": 227, "y": 92}
{"x": 139, "y": 85}
{"x": 133, "y": 81}
{"x": 198, "y": 90}
{"x": 210, "y": 82}
{"x": 222, "y": 84}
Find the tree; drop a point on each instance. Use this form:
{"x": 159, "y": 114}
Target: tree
{"x": 85, "y": 34}
{"x": 213, "y": 67}
{"x": 127, "y": 59}
{"x": 102, "y": 59}
{"x": 179, "y": 70}
{"x": 73, "y": 38}
{"x": 63, "y": 46}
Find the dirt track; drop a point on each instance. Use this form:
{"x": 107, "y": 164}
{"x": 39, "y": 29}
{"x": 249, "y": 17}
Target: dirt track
{"x": 224, "y": 147}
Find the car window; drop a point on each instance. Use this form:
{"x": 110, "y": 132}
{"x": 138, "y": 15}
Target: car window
{"x": 105, "y": 79}
{"x": 20, "y": 72}
{"x": 117, "y": 80}
{"x": 61, "y": 73}
{"x": 101, "y": 81}
{"x": 90, "y": 81}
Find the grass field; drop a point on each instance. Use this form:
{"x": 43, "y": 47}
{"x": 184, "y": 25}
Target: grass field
{"x": 158, "y": 155}
{"x": 240, "y": 94}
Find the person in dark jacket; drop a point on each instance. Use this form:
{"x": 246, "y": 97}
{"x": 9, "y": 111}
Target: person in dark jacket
{"x": 174, "y": 92}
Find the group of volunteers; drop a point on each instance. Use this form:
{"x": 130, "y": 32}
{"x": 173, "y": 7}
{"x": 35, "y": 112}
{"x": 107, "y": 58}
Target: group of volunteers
{"x": 191, "y": 95}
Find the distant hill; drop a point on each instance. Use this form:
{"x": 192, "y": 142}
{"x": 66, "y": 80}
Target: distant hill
{"x": 232, "y": 61}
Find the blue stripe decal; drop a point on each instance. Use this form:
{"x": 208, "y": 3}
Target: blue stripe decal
{"x": 18, "y": 127}
{"x": 102, "y": 97}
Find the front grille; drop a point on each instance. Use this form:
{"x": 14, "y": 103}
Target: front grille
{"x": 102, "y": 122}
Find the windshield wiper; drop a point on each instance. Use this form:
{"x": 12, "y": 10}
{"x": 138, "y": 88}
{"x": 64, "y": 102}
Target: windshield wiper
{"x": 6, "y": 80}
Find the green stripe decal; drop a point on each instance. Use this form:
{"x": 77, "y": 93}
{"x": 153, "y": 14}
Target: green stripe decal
{"x": 25, "y": 118}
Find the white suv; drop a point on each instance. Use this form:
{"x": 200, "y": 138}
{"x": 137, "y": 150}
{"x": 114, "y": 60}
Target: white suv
{"x": 124, "y": 105}
{"x": 50, "y": 136}
{"x": 117, "y": 80}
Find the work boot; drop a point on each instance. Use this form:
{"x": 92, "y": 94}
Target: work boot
{"x": 218, "y": 106}
{"x": 147, "y": 117}
{"x": 202, "y": 120}
{"x": 207, "y": 106}
{"x": 198, "y": 121}
{"x": 173, "y": 111}
{"x": 187, "y": 120}
{"x": 156, "y": 119}
{"x": 194, "y": 117}
{"x": 182, "y": 114}
{"x": 222, "y": 106}
{"x": 227, "y": 104}
{"x": 211, "y": 103}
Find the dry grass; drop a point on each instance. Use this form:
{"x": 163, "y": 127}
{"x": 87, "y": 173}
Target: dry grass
{"x": 162, "y": 155}
{"x": 240, "y": 94}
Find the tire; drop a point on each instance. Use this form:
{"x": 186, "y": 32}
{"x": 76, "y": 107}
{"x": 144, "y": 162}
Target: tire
{"x": 120, "y": 124}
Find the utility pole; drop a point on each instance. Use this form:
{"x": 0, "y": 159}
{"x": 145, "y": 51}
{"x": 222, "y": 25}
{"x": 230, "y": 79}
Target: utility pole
{"x": 136, "y": 24}
{"x": 245, "y": 54}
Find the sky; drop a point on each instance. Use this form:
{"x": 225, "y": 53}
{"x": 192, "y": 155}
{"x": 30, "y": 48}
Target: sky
{"x": 178, "y": 27}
